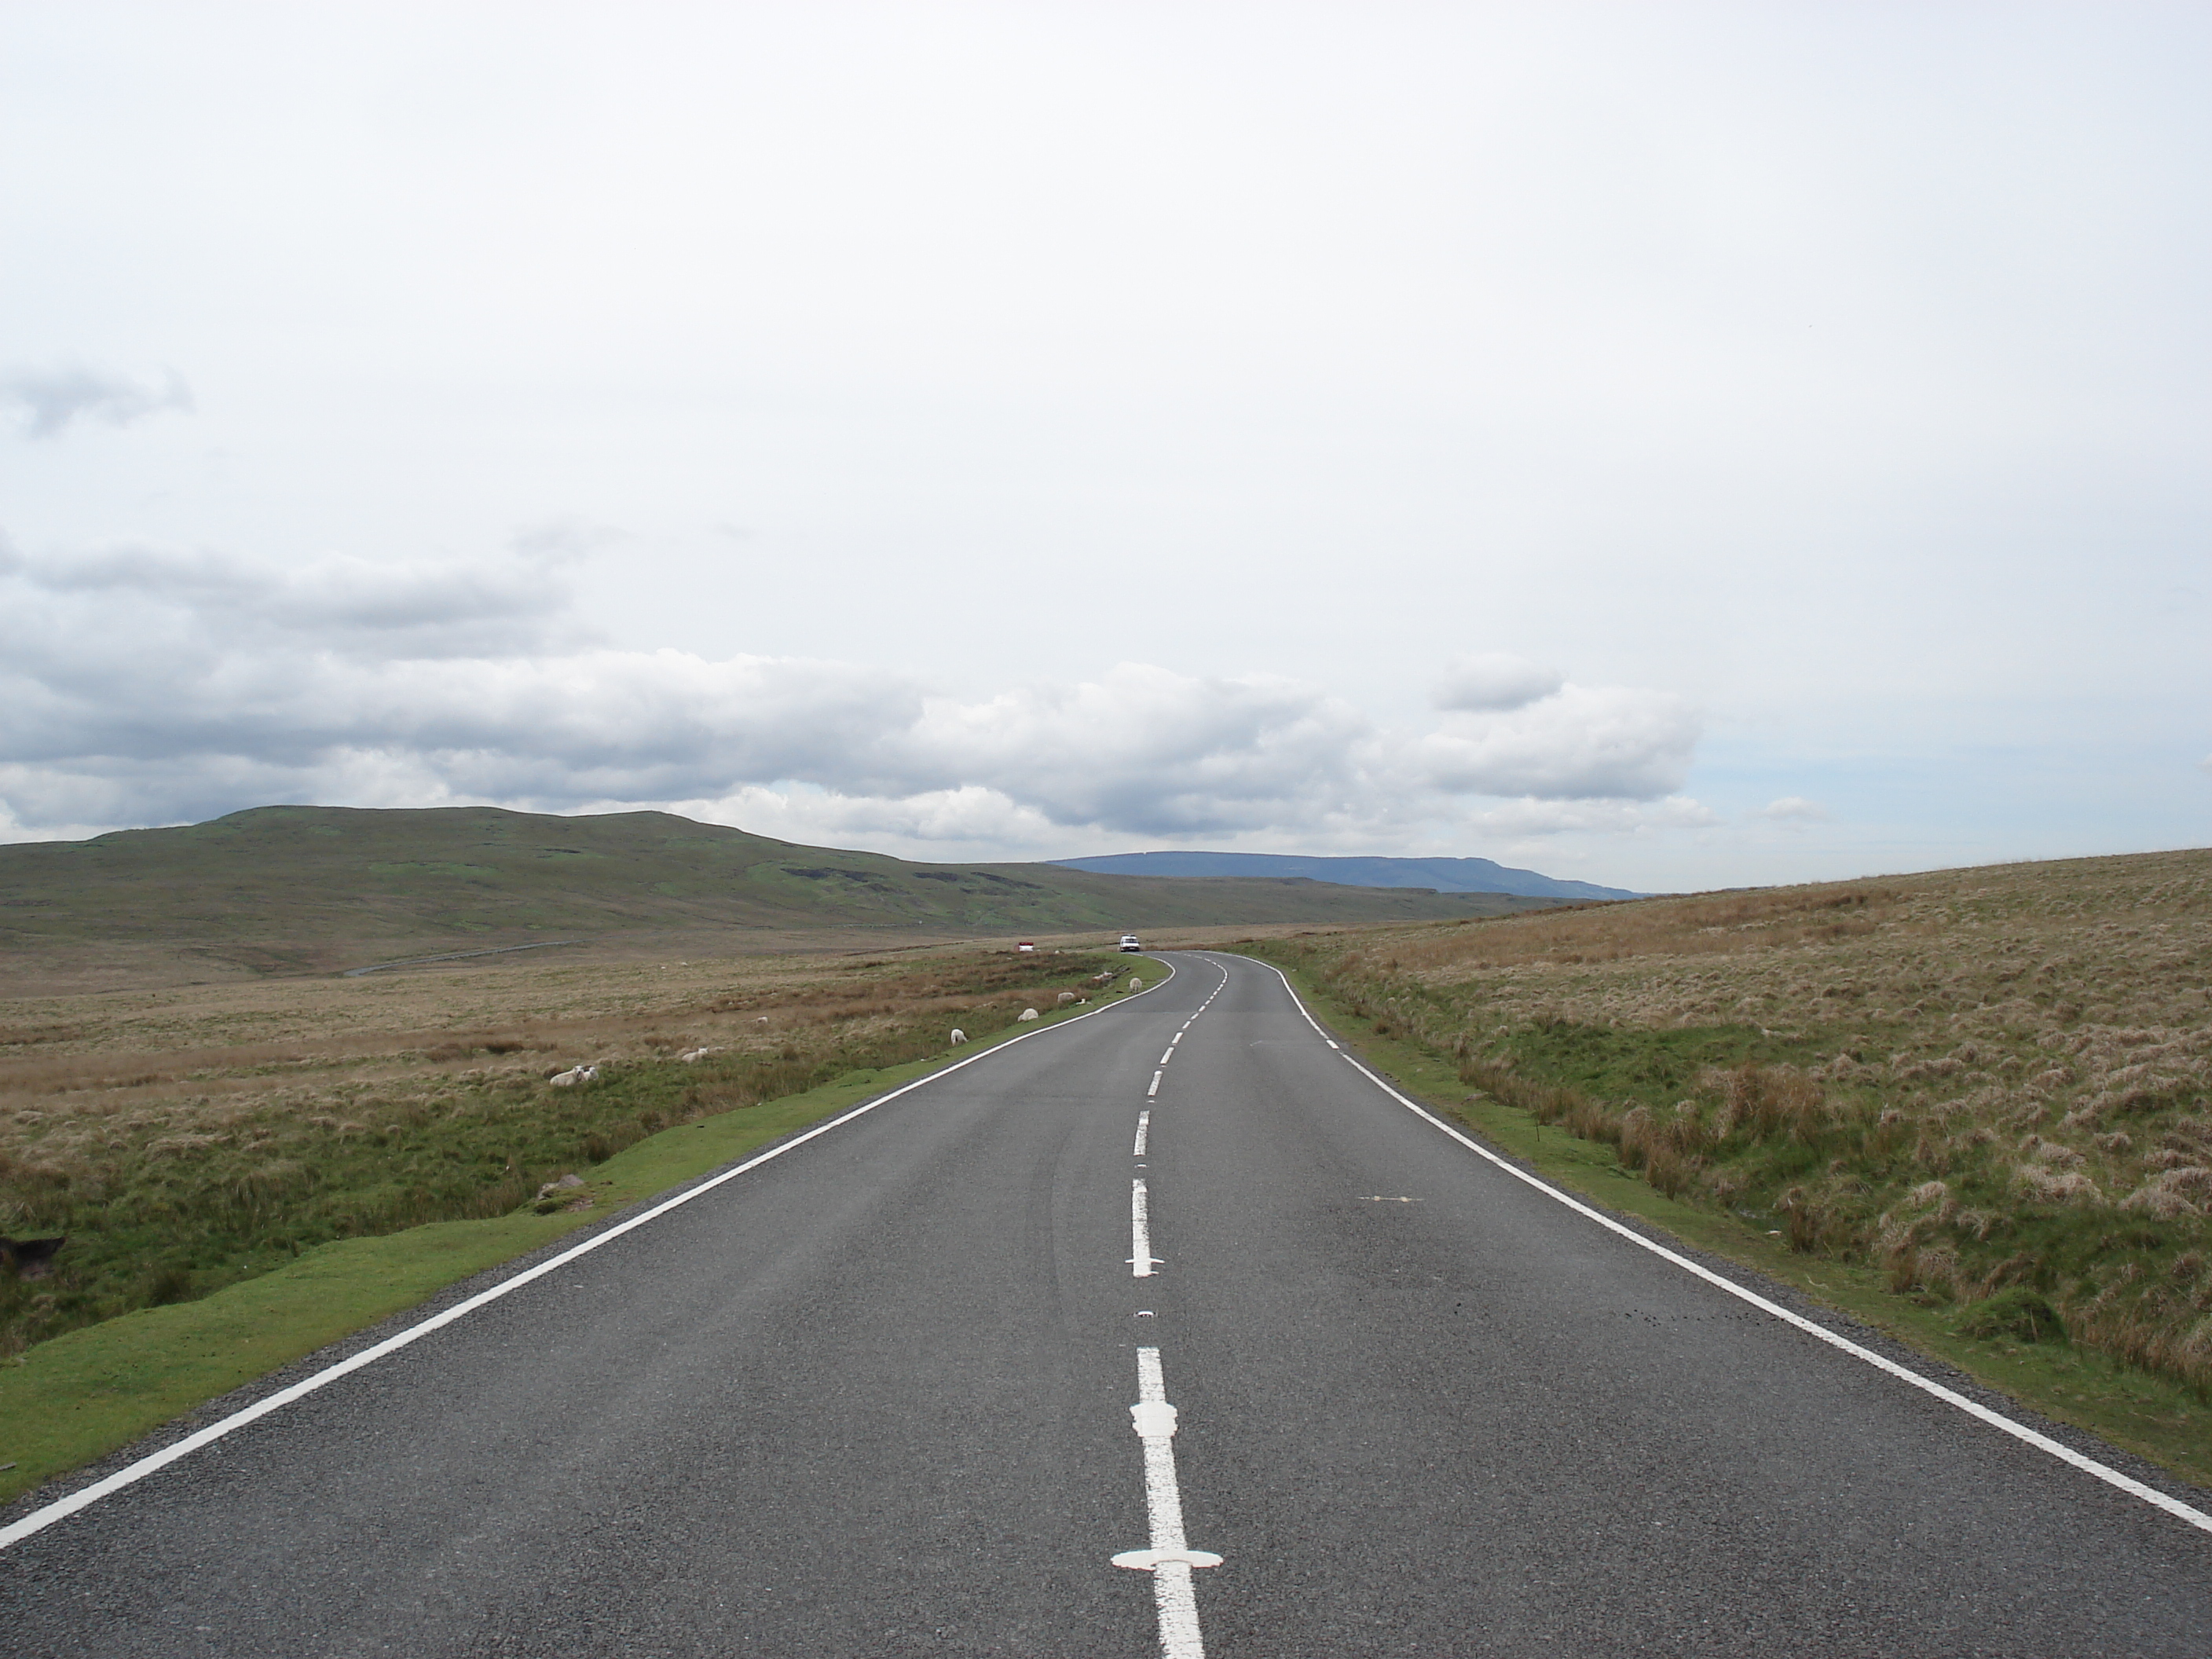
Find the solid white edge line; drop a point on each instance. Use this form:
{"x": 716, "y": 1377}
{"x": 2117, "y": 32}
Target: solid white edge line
{"x": 62, "y": 1508}
{"x": 2043, "y": 1443}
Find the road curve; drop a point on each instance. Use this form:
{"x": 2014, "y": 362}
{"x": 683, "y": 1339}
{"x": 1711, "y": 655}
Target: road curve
{"x": 1176, "y": 1284}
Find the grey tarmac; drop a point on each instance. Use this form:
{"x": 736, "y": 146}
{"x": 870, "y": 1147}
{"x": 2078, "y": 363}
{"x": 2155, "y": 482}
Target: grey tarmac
{"x": 874, "y": 1397}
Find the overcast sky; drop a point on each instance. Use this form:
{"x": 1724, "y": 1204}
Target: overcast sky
{"x": 1668, "y": 445}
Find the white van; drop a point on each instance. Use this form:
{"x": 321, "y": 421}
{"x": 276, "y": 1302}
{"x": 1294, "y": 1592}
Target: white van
{"x": 1129, "y": 942}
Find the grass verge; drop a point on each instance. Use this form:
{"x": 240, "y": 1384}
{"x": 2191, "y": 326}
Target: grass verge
{"x": 70, "y": 1401}
{"x": 2150, "y": 1415}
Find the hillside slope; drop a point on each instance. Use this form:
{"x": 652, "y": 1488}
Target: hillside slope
{"x": 1443, "y": 875}
{"x": 482, "y": 875}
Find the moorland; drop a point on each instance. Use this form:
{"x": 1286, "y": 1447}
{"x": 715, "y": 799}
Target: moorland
{"x": 1987, "y": 1091}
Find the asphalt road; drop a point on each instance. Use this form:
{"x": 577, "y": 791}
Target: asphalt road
{"x": 874, "y": 1397}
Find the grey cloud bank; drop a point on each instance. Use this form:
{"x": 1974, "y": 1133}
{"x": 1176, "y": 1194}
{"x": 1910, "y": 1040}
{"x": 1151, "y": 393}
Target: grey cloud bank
{"x": 142, "y": 685}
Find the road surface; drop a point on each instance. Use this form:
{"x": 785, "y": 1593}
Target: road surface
{"x": 1176, "y": 1283}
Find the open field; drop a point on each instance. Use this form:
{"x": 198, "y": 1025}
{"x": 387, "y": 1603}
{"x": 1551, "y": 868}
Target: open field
{"x": 187, "y": 1137}
{"x": 1990, "y": 1085}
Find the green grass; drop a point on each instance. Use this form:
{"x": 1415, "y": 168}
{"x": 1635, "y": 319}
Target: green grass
{"x": 2012, "y": 1341}
{"x": 70, "y": 1401}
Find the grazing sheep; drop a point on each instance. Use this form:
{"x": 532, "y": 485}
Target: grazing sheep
{"x": 695, "y": 1054}
{"x": 1135, "y": 984}
{"x": 29, "y": 1258}
{"x": 574, "y": 1074}
{"x": 1066, "y": 997}
{"x": 959, "y": 1037}
{"x": 1027, "y": 1014}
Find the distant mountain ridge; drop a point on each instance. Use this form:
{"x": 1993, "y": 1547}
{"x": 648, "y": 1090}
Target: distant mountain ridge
{"x": 281, "y": 888}
{"x": 1444, "y": 875}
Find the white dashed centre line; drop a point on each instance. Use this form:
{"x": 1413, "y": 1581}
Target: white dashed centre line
{"x": 1155, "y": 1088}
{"x": 1170, "y": 1557}
{"x": 1144, "y": 1128}
{"x": 1141, "y": 1259}
{"x": 1168, "y": 1056}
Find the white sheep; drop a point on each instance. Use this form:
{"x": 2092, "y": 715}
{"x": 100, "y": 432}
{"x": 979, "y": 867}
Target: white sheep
{"x": 1027, "y": 1014}
{"x": 574, "y": 1074}
{"x": 1135, "y": 984}
{"x": 695, "y": 1054}
{"x": 959, "y": 1037}
{"x": 1066, "y": 997}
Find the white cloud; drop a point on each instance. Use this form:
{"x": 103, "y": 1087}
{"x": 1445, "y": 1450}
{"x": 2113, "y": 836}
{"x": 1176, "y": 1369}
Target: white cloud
{"x": 152, "y": 685}
{"x": 49, "y": 400}
{"x": 1145, "y": 748}
{"x": 1580, "y": 743}
{"x": 1494, "y": 683}
{"x": 945, "y": 825}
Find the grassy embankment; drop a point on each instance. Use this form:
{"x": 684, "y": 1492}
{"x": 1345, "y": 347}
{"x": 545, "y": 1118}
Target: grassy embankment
{"x": 1970, "y": 1107}
{"x": 294, "y": 1200}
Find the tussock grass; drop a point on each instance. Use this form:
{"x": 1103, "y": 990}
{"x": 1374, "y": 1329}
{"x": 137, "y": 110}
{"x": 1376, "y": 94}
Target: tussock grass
{"x": 1993, "y": 1084}
{"x": 186, "y": 1141}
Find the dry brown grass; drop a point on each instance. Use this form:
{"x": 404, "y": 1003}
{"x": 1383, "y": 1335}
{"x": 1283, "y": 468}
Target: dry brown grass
{"x": 77, "y": 1072}
{"x": 187, "y": 1059}
{"x": 2067, "y": 993}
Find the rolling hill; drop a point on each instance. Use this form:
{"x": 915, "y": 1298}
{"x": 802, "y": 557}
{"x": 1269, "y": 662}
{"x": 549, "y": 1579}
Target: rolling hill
{"x": 455, "y": 878}
{"x": 1443, "y": 875}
